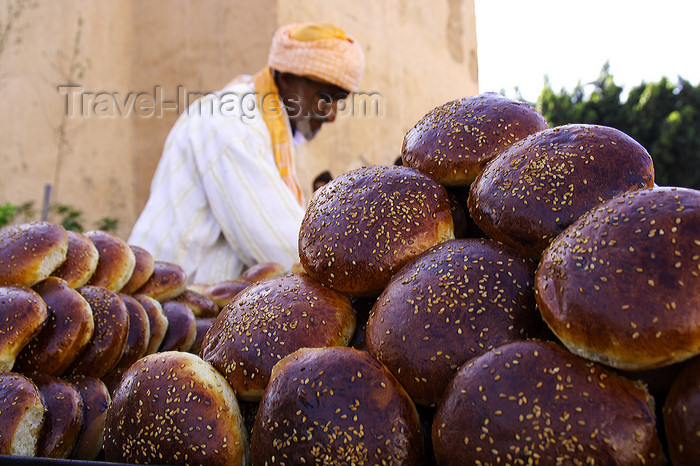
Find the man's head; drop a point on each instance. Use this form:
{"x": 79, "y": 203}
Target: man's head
{"x": 316, "y": 66}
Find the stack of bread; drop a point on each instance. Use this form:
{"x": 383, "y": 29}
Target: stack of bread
{"x": 510, "y": 293}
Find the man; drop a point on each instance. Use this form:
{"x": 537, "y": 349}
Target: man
{"x": 225, "y": 195}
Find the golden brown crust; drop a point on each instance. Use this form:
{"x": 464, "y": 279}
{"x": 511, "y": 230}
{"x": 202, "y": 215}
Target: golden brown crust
{"x": 81, "y": 260}
{"x": 363, "y": 226}
{"x": 452, "y": 303}
{"x": 223, "y": 292}
{"x": 173, "y": 408}
{"x": 621, "y": 285}
{"x": 335, "y": 406}
{"x": 30, "y": 252}
{"x": 268, "y": 321}
{"x": 103, "y": 351}
{"x": 201, "y": 305}
{"x": 143, "y": 269}
{"x": 532, "y": 396}
{"x": 203, "y": 325}
{"x": 167, "y": 281}
{"x": 681, "y": 413}
{"x": 23, "y": 410}
{"x": 96, "y": 399}
{"x": 182, "y": 327}
{"x": 539, "y": 186}
{"x": 116, "y": 262}
{"x": 64, "y": 416}
{"x": 139, "y": 332}
{"x": 22, "y": 315}
{"x": 157, "y": 321}
{"x": 68, "y": 329}
{"x": 262, "y": 271}
{"x": 454, "y": 142}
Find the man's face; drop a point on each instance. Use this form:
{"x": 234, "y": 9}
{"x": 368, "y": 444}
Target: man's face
{"x": 309, "y": 103}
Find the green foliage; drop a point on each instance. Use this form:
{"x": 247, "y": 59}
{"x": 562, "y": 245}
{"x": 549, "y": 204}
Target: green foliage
{"x": 661, "y": 116}
{"x": 11, "y": 213}
{"x": 68, "y": 216}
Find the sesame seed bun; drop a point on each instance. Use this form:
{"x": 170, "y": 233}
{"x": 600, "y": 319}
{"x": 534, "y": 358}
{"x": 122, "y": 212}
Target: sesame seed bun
{"x": 200, "y": 304}
{"x": 621, "y": 285}
{"x": 81, "y": 260}
{"x": 530, "y": 399}
{"x": 222, "y": 292}
{"x": 681, "y": 413}
{"x": 261, "y": 271}
{"x": 158, "y": 322}
{"x": 30, "y": 252}
{"x": 174, "y": 408}
{"x": 143, "y": 269}
{"x": 453, "y": 142}
{"x": 167, "y": 281}
{"x": 364, "y": 225}
{"x": 269, "y": 320}
{"x": 452, "y": 303}
{"x": 335, "y": 406}
{"x": 96, "y": 399}
{"x": 532, "y": 191}
{"x": 23, "y": 410}
{"x": 22, "y": 315}
{"x": 139, "y": 332}
{"x": 182, "y": 327}
{"x": 116, "y": 260}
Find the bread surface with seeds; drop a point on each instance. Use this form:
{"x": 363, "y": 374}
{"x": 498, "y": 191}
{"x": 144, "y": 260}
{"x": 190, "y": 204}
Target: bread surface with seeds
{"x": 621, "y": 285}
{"x": 143, "y": 269}
{"x": 174, "y": 408}
{"x": 532, "y": 191}
{"x": 69, "y": 327}
{"x": 167, "y": 281}
{"x": 30, "y": 252}
{"x": 681, "y": 413}
{"x": 452, "y": 303}
{"x": 268, "y": 321}
{"x": 335, "y": 406}
{"x": 116, "y": 260}
{"x": 453, "y": 142}
{"x": 22, "y": 316}
{"x": 530, "y": 400}
{"x": 23, "y": 411}
{"x": 81, "y": 260}
{"x": 366, "y": 224}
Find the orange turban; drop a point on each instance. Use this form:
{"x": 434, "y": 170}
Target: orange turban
{"x": 318, "y": 51}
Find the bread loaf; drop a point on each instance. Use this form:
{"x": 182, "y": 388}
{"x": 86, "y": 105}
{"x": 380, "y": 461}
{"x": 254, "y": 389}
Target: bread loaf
{"x": 116, "y": 260}
{"x": 223, "y": 292}
{"x": 139, "y": 332}
{"x": 261, "y": 271}
{"x": 167, "y": 281}
{"x": 81, "y": 260}
{"x": 30, "y": 252}
{"x": 143, "y": 269}
{"x": 182, "y": 327}
{"x": 157, "y": 321}
{"x": 22, "y": 315}
{"x": 22, "y": 409}
{"x": 200, "y": 304}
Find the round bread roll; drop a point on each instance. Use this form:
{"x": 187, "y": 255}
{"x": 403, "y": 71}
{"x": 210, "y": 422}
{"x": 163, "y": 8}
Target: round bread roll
{"x": 621, "y": 285}
{"x": 96, "y": 399}
{"x": 533, "y": 399}
{"x": 270, "y": 320}
{"x": 143, "y": 269}
{"x": 116, "y": 262}
{"x": 105, "y": 348}
{"x": 681, "y": 413}
{"x": 22, "y": 409}
{"x": 262, "y": 271}
{"x": 22, "y": 315}
{"x": 335, "y": 406}
{"x": 158, "y": 322}
{"x": 201, "y": 305}
{"x": 539, "y": 186}
{"x": 30, "y": 252}
{"x": 174, "y": 408}
{"x": 182, "y": 327}
{"x": 81, "y": 260}
{"x": 223, "y": 292}
{"x": 69, "y": 327}
{"x": 139, "y": 332}
{"x": 364, "y": 225}
{"x": 167, "y": 281}
{"x": 64, "y": 416}
{"x": 452, "y": 303}
{"x": 453, "y": 142}
{"x": 203, "y": 325}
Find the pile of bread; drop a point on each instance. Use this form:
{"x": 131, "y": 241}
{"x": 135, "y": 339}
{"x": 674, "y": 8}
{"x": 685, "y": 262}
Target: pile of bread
{"x": 510, "y": 294}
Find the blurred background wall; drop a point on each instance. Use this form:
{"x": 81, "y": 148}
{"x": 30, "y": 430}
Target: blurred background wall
{"x": 89, "y": 90}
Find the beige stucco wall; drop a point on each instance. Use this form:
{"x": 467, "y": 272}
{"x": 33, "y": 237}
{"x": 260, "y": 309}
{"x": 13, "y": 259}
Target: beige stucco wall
{"x": 100, "y": 158}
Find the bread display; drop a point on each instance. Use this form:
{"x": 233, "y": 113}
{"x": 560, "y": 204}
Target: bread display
{"x": 22, "y": 410}
{"x": 200, "y": 304}
{"x": 105, "y": 348}
{"x": 30, "y": 252}
{"x": 70, "y": 325}
{"x": 139, "y": 332}
{"x": 270, "y": 320}
{"x": 182, "y": 327}
{"x": 143, "y": 269}
{"x": 453, "y": 142}
{"x": 81, "y": 260}
{"x": 64, "y": 416}
{"x": 157, "y": 321}
{"x": 364, "y": 225}
{"x": 22, "y": 315}
{"x": 116, "y": 260}
{"x": 529, "y": 398}
{"x": 450, "y": 304}
{"x": 536, "y": 188}
{"x": 167, "y": 281}
{"x": 174, "y": 408}
{"x": 335, "y": 406}
{"x": 681, "y": 414}
{"x": 621, "y": 286}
